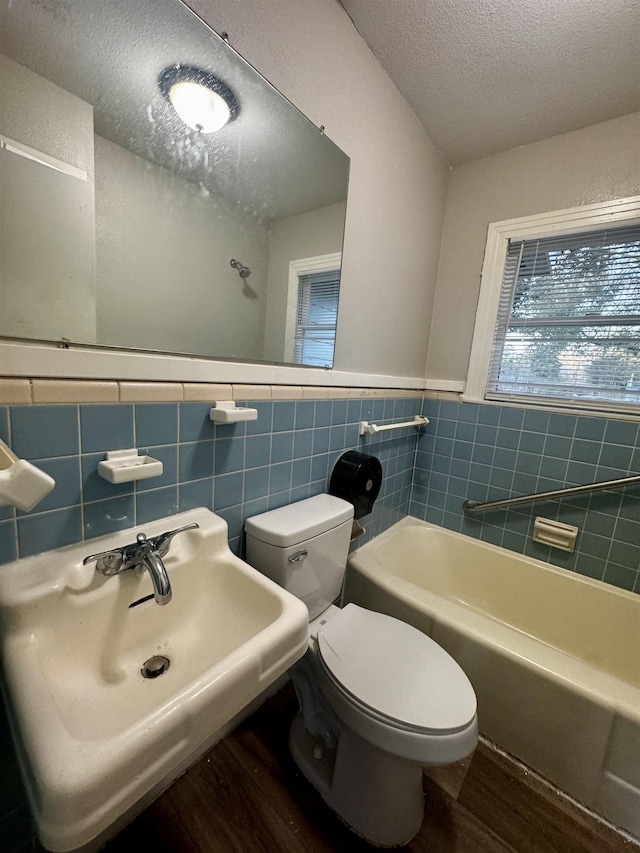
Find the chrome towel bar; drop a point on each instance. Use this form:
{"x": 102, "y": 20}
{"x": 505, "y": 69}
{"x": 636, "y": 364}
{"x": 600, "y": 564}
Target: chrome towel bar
{"x": 477, "y": 506}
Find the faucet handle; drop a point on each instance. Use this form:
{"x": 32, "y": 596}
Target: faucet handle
{"x": 107, "y": 562}
{"x": 162, "y": 543}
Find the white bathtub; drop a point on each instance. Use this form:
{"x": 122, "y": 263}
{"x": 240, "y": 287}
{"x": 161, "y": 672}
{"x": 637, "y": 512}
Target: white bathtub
{"x": 554, "y": 657}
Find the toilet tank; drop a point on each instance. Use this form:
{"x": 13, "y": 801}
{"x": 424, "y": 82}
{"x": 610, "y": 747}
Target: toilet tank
{"x": 303, "y": 547}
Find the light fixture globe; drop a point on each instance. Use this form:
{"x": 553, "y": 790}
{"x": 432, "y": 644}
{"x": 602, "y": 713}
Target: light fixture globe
{"x": 203, "y": 102}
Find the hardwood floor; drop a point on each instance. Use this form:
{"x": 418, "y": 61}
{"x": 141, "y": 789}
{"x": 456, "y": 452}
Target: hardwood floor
{"x": 247, "y": 796}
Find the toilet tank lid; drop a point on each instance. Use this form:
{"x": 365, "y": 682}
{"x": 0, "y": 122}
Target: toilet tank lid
{"x": 298, "y": 521}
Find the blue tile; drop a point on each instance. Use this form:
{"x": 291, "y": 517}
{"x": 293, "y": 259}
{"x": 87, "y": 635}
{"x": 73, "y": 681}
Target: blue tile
{"x": 562, "y": 424}
{"x": 486, "y": 434}
{"x": 508, "y": 438}
{"x": 299, "y": 493}
{"x": 38, "y": 432}
{"x": 590, "y": 567}
{"x": 284, "y": 414}
{"x": 37, "y": 533}
{"x": 228, "y": 455}
{"x": 256, "y": 483}
{"x": 535, "y": 421}
{"x": 590, "y": 428}
{"x": 323, "y": 413}
{"x": 109, "y": 516}
{"x": 237, "y": 430}
{"x": 195, "y": 423}
{"x": 482, "y": 454}
{"x": 464, "y": 432}
{"x": 255, "y": 507}
{"x": 621, "y": 432}
{"x": 106, "y": 427}
{"x": 279, "y": 499}
{"x": 462, "y": 450}
{"x": 628, "y": 531}
{"x": 156, "y": 423}
{"x": 7, "y": 542}
{"x": 337, "y": 438}
{"x": 557, "y": 446}
{"x": 234, "y": 517}
{"x": 447, "y": 429}
{"x": 305, "y": 414}
{"x": 354, "y": 410}
{"x": 280, "y": 478}
{"x": 580, "y": 473}
{"x": 156, "y": 503}
{"x": 594, "y": 545}
{"x": 169, "y": 457}
{"x": 503, "y": 458}
{"x": 195, "y": 460}
{"x": 281, "y": 447}
{"x": 94, "y": 487}
{"x": 339, "y": 412}
{"x": 511, "y": 418}
{"x": 615, "y": 456}
{"x": 531, "y": 442}
{"x": 303, "y": 444}
{"x": 320, "y": 468}
{"x": 228, "y": 490}
{"x": 621, "y": 576}
{"x": 301, "y": 472}
{"x": 469, "y": 412}
{"x": 585, "y": 451}
{"x": 195, "y": 494}
{"x": 265, "y": 416}
{"x": 321, "y": 440}
{"x": 257, "y": 451}
{"x": 65, "y": 470}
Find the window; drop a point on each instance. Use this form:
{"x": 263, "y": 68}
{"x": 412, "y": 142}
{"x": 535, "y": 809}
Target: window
{"x": 562, "y": 292}
{"x": 314, "y": 288}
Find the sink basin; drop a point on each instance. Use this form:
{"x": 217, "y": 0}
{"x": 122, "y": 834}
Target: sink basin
{"x": 96, "y": 739}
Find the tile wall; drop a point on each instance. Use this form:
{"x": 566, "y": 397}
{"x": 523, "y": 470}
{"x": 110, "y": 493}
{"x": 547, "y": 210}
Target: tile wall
{"x": 485, "y": 452}
{"x": 467, "y": 451}
{"x": 237, "y": 470}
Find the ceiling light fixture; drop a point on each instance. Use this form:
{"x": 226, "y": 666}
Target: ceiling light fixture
{"x": 203, "y": 102}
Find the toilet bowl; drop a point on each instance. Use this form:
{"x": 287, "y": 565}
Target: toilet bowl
{"x": 379, "y": 700}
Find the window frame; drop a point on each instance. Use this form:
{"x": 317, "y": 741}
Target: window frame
{"x": 619, "y": 212}
{"x": 301, "y": 266}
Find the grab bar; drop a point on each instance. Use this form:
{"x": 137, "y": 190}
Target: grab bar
{"x": 372, "y": 429}
{"x": 477, "y": 506}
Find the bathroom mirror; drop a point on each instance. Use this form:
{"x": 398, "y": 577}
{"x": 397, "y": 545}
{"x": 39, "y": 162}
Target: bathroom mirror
{"x": 123, "y": 226}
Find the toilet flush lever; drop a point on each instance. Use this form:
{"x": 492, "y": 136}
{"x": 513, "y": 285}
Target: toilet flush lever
{"x": 299, "y": 557}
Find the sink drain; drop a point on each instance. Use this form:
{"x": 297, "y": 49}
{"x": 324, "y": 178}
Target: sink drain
{"x": 155, "y": 666}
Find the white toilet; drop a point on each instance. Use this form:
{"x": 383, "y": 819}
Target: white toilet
{"x": 379, "y": 699}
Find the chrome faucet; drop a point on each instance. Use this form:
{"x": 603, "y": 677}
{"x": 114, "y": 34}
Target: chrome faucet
{"x": 142, "y": 554}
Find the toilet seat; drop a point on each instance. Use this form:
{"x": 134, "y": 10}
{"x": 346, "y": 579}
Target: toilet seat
{"x": 395, "y": 673}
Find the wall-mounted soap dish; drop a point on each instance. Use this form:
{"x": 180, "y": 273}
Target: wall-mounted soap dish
{"x": 123, "y": 466}
{"x": 226, "y": 412}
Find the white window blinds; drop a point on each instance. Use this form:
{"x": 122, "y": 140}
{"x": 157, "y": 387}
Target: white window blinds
{"x": 568, "y": 324}
{"x": 316, "y": 315}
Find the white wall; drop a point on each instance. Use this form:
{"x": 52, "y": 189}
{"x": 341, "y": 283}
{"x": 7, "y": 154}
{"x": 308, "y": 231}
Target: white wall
{"x": 47, "y": 287}
{"x": 318, "y": 232}
{"x": 310, "y": 50}
{"x": 164, "y": 243}
{"x": 597, "y": 163}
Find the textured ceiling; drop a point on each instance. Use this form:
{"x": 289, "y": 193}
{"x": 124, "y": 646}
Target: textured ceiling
{"x": 487, "y": 75}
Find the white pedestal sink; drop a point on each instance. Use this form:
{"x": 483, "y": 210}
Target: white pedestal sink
{"x": 96, "y": 739}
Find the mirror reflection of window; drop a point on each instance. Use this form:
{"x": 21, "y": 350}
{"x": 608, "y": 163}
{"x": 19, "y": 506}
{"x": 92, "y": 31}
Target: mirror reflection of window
{"x": 314, "y": 288}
